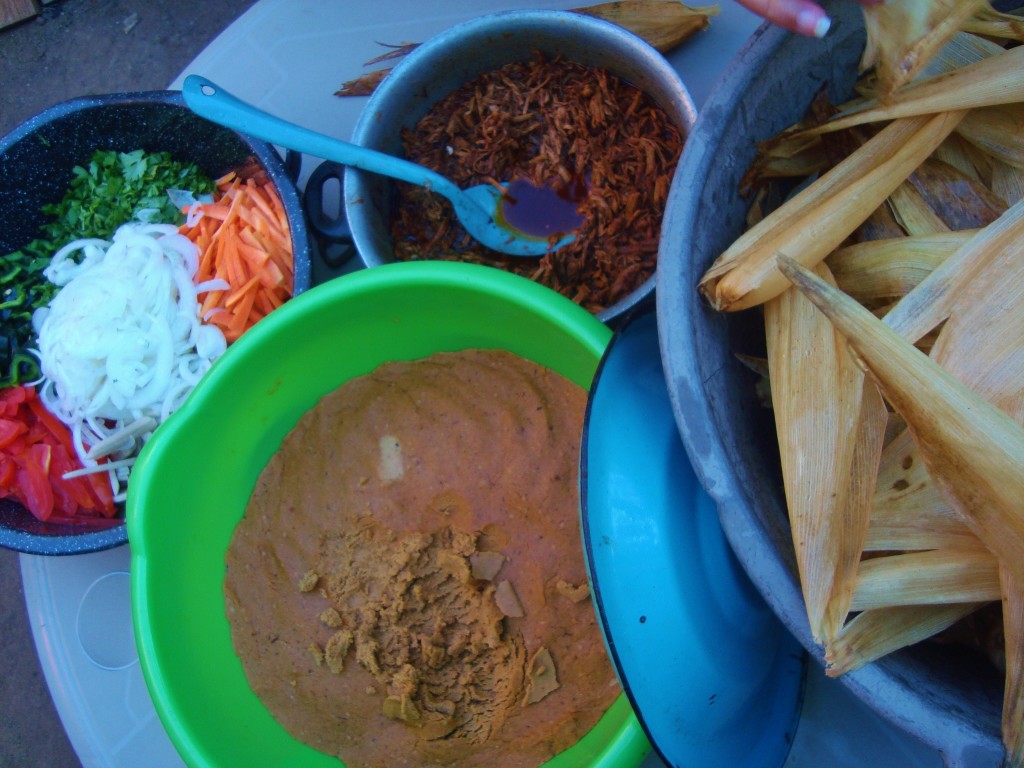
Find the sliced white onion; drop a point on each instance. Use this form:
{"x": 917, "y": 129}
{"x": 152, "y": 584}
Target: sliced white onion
{"x": 121, "y": 344}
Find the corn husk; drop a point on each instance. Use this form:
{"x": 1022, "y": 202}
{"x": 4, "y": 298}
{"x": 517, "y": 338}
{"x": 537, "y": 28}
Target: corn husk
{"x": 1007, "y": 182}
{"x": 972, "y": 450}
{"x": 887, "y": 269}
{"x": 909, "y": 512}
{"x": 662, "y": 23}
{"x": 789, "y": 162}
{"x": 913, "y": 213}
{"x": 930, "y": 302}
{"x": 869, "y": 440}
{"x": 665, "y": 24}
{"x": 993, "y": 81}
{"x": 933, "y": 577}
{"x": 818, "y": 393}
{"x": 873, "y": 634}
{"x": 953, "y": 151}
{"x": 902, "y": 37}
{"x": 962, "y": 50}
{"x": 880, "y": 225}
{"x": 918, "y": 521}
{"x": 814, "y": 222}
{"x": 992, "y": 23}
{"x": 980, "y": 343}
{"x": 997, "y": 131}
{"x": 958, "y": 200}
{"x": 1013, "y": 691}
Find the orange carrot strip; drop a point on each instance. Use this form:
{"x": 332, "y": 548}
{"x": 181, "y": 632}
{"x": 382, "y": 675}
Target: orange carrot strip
{"x": 207, "y": 262}
{"x": 238, "y": 295}
{"x": 259, "y": 197}
{"x": 275, "y": 298}
{"x": 211, "y": 301}
{"x": 244, "y": 239}
{"x": 256, "y": 257}
{"x": 236, "y": 202}
{"x": 225, "y": 179}
{"x": 215, "y": 211}
{"x": 264, "y": 304}
{"x": 271, "y": 275}
{"x": 230, "y": 265}
{"x": 242, "y": 312}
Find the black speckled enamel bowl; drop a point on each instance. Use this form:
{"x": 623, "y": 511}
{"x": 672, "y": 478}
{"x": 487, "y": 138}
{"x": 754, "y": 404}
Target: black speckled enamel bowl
{"x": 36, "y": 162}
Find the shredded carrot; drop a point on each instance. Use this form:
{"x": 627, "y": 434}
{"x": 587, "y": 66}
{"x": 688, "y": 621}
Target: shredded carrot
{"x": 243, "y": 238}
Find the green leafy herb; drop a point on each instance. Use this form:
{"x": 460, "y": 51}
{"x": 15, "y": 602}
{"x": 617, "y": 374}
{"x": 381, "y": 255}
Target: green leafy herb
{"x": 118, "y": 187}
{"x": 112, "y": 189}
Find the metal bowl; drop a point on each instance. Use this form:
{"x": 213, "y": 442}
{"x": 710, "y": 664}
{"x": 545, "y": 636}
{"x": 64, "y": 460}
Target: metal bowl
{"x": 944, "y": 697}
{"x": 36, "y": 162}
{"x": 445, "y": 62}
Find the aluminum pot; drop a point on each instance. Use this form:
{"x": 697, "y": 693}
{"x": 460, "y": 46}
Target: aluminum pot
{"x": 944, "y": 697}
{"x": 445, "y": 62}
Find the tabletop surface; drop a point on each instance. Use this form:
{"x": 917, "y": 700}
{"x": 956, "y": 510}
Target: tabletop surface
{"x": 79, "y": 605}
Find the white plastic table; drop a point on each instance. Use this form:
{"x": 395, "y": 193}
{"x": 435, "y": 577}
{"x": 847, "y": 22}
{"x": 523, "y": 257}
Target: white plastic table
{"x": 78, "y": 606}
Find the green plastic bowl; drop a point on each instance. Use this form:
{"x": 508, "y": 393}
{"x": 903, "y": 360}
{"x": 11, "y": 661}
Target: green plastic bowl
{"x": 192, "y": 482}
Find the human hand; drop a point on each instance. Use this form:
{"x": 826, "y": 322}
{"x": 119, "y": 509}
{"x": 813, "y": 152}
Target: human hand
{"x": 804, "y": 17}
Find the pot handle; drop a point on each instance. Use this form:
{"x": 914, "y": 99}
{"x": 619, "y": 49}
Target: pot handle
{"x": 330, "y": 230}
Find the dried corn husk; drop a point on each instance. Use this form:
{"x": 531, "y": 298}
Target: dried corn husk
{"x": 869, "y": 439}
{"x": 929, "y": 303}
{"x": 973, "y": 451}
{"x": 1007, "y": 182}
{"x": 980, "y": 343}
{"x": 1013, "y": 691}
{"x": 814, "y": 222}
{"x": 887, "y": 269}
{"x": 904, "y": 36}
{"x": 873, "y": 634}
{"x": 962, "y": 50}
{"x": 909, "y": 512}
{"x": 933, "y": 577}
{"x": 915, "y": 522}
{"x": 953, "y": 151}
{"x": 990, "y": 82}
{"x": 818, "y": 392}
{"x": 992, "y": 23}
{"x": 958, "y": 200}
{"x": 789, "y": 162}
{"x": 913, "y": 213}
{"x": 997, "y": 131}
{"x": 662, "y": 23}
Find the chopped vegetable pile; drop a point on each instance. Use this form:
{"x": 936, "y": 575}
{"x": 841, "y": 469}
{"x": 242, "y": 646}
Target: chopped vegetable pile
{"x": 102, "y": 331}
{"x": 247, "y": 253}
{"x": 36, "y": 453}
{"x": 121, "y": 344}
{"x": 114, "y": 188}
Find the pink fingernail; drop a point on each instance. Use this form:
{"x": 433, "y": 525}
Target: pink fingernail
{"x": 813, "y": 22}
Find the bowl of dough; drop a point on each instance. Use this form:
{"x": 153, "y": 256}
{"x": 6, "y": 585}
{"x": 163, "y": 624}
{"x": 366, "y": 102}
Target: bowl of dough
{"x": 822, "y": 152}
{"x": 115, "y": 301}
{"x": 368, "y": 513}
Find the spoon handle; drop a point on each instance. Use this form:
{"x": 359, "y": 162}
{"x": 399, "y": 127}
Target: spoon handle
{"x": 210, "y": 101}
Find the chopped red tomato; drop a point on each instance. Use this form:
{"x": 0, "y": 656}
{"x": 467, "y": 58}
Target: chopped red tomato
{"x": 36, "y": 451}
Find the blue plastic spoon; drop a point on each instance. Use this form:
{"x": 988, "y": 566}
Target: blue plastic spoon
{"x": 478, "y": 208}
